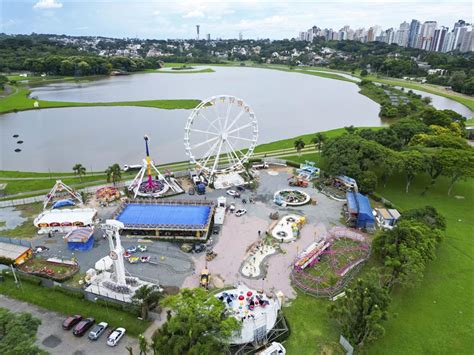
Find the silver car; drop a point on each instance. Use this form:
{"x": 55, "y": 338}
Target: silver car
{"x": 97, "y": 331}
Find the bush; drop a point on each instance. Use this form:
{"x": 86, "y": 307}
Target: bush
{"x": 292, "y": 164}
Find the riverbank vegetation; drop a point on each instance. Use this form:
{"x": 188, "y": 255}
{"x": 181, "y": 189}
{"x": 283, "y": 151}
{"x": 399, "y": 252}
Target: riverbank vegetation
{"x": 19, "y": 100}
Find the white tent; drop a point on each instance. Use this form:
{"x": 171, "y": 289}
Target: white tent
{"x": 64, "y": 220}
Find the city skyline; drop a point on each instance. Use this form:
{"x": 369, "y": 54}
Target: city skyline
{"x": 427, "y": 35}
{"x": 252, "y": 18}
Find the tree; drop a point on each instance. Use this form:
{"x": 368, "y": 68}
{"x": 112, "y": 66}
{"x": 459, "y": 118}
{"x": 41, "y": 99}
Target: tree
{"x": 406, "y": 128}
{"x": 351, "y": 129}
{"x": 198, "y": 325}
{"x": 367, "y": 181}
{"x": 458, "y": 164}
{"x": 18, "y": 333}
{"x": 114, "y": 173}
{"x": 427, "y": 215}
{"x": 364, "y": 72}
{"x": 146, "y": 298}
{"x": 143, "y": 344}
{"x": 79, "y": 170}
{"x": 299, "y": 145}
{"x": 3, "y": 81}
{"x": 318, "y": 140}
{"x": 362, "y": 311}
{"x": 406, "y": 250}
{"x": 413, "y": 163}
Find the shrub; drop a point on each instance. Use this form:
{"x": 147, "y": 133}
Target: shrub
{"x": 68, "y": 292}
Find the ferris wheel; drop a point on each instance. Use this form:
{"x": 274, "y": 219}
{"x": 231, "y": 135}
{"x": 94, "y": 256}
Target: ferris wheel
{"x": 220, "y": 135}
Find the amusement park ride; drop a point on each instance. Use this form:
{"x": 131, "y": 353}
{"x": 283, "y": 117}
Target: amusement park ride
{"x": 144, "y": 185}
{"x": 220, "y": 136}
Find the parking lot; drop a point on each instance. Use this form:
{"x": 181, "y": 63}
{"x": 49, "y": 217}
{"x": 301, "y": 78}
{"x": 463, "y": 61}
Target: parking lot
{"x": 55, "y": 340}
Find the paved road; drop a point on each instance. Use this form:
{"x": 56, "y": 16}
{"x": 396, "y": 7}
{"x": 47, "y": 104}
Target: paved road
{"x": 52, "y": 338}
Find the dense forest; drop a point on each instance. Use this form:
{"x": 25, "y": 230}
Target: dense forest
{"x": 38, "y": 54}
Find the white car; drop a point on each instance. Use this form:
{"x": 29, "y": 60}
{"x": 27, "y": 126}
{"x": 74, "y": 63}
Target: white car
{"x": 232, "y": 193}
{"x": 115, "y": 336}
{"x": 240, "y": 212}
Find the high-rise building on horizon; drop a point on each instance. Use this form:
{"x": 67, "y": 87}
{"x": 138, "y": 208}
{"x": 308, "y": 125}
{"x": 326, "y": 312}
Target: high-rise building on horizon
{"x": 427, "y": 35}
{"x": 413, "y": 33}
{"x": 197, "y": 32}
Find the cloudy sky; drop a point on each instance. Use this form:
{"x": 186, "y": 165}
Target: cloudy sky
{"x": 254, "y": 18}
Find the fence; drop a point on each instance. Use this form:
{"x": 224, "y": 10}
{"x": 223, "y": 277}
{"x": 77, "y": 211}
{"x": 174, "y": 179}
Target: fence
{"x": 275, "y": 161}
{"x": 21, "y": 242}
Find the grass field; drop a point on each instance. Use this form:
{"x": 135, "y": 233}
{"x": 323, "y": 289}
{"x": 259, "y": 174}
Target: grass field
{"x": 19, "y": 101}
{"x": 433, "y": 318}
{"x": 65, "y": 304}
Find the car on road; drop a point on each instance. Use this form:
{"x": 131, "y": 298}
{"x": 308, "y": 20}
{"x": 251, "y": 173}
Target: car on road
{"x": 232, "y": 193}
{"x": 142, "y": 248}
{"x": 132, "y": 249}
{"x": 97, "y": 331}
{"x": 115, "y": 336}
{"x": 83, "y": 326}
{"x": 71, "y": 321}
{"x": 199, "y": 247}
{"x": 240, "y": 212}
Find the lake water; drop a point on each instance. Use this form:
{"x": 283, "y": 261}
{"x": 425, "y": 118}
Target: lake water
{"x": 286, "y": 105}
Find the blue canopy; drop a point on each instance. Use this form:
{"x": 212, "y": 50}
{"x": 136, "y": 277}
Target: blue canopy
{"x": 360, "y": 205}
{"x": 63, "y": 203}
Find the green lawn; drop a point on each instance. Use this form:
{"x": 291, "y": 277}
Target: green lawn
{"x": 19, "y": 101}
{"x": 200, "y": 71}
{"x": 65, "y": 304}
{"x": 435, "y": 317}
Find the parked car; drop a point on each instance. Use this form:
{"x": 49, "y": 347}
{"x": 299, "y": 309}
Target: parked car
{"x": 142, "y": 248}
{"x": 145, "y": 259}
{"x": 132, "y": 249}
{"x": 83, "y": 326}
{"x": 133, "y": 259}
{"x": 191, "y": 191}
{"x": 115, "y": 336}
{"x": 186, "y": 247}
{"x": 199, "y": 248}
{"x": 71, "y": 321}
{"x": 98, "y": 330}
{"x": 232, "y": 193}
{"x": 240, "y": 212}
{"x": 240, "y": 188}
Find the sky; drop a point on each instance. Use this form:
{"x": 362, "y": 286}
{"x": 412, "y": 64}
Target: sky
{"x": 275, "y": 19}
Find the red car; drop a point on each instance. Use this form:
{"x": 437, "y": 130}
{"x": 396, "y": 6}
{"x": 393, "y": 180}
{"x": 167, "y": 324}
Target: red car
{"x": 83, "y": 326}
{"x": 71, "y": 321}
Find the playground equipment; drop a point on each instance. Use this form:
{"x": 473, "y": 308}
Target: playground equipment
{"x": 291, "y": 197}
{"x": 107, "y": 194}
{"x": 61, "y": 192}
{"x": 308, "y": 171}
{"x": 297, "y": 181}
{"x": 326, "y": 266}
{"x": 288, "y": 228}
{"x": 149, "y": 186}
{"x": 220, "y": 135}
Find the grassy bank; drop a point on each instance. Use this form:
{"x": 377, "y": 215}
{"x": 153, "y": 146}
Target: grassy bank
{"x": 18, "y": 100}
{"x": 58, "y": 302}
{"x": 26, "y": 229}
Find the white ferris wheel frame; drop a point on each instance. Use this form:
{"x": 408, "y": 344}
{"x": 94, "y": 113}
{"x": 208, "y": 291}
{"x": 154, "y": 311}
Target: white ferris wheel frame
{"x": 235, "y": 158}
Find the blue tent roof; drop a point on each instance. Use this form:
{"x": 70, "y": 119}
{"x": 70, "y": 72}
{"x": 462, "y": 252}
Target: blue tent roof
{"x": 359, "y": 204}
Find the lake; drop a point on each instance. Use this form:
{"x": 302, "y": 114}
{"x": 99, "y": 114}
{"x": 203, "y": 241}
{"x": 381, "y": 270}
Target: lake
{"x": 286, "y": 104}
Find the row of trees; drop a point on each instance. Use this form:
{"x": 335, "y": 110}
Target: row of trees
{"x": 403, "y": 254}
{"x": 429, "y": 143}
{"x": 113, "y": 172}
